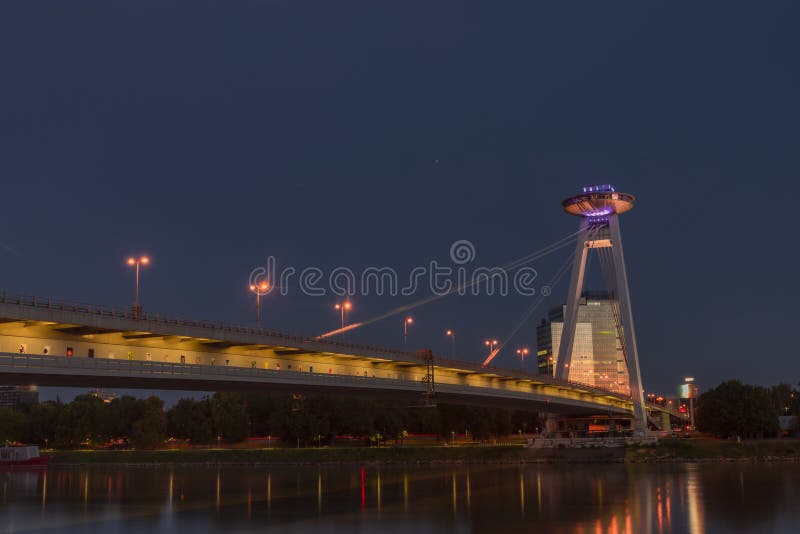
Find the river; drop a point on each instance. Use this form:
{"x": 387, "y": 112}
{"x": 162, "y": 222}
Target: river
{"x": 638, "y": 498}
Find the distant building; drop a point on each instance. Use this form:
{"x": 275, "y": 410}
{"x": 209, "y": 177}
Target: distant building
{"x": 597, "y": 356}
{"x": 103, "y": 396}
{"x": 787, "y": 425}
{"x": 688, "y": 390}
{"x": 15, "y": 397}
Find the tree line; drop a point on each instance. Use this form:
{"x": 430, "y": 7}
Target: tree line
{"x": 736, "y": 409}
{"x": 88, "y": 421}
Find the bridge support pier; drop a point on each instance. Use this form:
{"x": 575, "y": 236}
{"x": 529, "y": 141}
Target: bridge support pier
{"x": 666, "y": 423}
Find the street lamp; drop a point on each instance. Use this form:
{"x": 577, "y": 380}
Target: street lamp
{"x": 406, "y": 322}
{"x": 491, "y": 344}
{"x": 137, "y": 262}
{"x": 344, "y": 307}
{"x": 522, "y": 352}
{"x": 452, "y": 336}
{"x": 262, "y": 288}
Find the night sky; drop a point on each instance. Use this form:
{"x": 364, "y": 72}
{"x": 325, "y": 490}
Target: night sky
{"x": 211, "y": 135}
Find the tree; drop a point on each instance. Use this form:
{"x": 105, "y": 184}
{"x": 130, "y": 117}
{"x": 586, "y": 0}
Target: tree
{"x": 12, "y": 425}
{"x": 736, "y": 409}
{"x": 350, "y": 416}
{"x": 122, "y": 413}
{"x": 259, "y": 410}
{"x": 191, "y": 419}
{"x": 229, "y": 417}
{"x": 307, "y": 420}
{"x": 81, "y": 423}
{"x": 785, "y": 399}
{"x": 41, "y": 422}
{"x": 148, "y": 431}
{"x": 389, "y": 423}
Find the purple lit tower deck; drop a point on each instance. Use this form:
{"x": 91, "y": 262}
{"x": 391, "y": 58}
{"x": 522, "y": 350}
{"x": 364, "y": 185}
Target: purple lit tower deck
{"x": 599, "y": 208}
{"x": 597, "y": 201}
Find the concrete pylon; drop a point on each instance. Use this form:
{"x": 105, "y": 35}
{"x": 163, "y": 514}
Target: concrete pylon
{"x": 599, "y": 208}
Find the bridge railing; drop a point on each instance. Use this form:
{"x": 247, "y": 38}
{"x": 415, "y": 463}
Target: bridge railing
{"x": 34, "y": 361}
{"x": 30, "y": 363}
{"x": 327, "y": 345}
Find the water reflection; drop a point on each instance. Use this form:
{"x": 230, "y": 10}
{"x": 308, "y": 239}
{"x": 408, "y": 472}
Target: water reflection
{"x": 555, "y": 498}
{"x": 694, "y": 497}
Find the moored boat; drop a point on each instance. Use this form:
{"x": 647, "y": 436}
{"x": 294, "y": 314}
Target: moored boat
{"x": 26, "y": 456}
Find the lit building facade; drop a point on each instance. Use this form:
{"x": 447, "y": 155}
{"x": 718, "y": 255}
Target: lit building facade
{"x": 597, "y": 356}
{"x": 15, "y": 397}
{"x": 103, "y": 396}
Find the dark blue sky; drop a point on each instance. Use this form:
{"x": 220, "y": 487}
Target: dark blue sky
{"x": 213, "y": 134}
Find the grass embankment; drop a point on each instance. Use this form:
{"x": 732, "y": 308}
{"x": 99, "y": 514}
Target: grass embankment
{"x": 668, "y": 450}
{"x": 716, "y": 449}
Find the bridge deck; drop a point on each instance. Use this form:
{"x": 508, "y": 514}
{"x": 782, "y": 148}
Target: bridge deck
{"x": 81, "y": 345}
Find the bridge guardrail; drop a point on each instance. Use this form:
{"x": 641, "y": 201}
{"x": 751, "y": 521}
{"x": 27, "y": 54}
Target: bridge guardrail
{"x": 10, "y": 359}
{"x": 167, "y": 369}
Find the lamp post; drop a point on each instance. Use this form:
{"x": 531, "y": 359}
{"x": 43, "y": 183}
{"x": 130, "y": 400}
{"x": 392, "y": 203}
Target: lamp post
{"x": 262, "y": 288}
{"x": 452, "y": 336}
{"x": 491, "y": 344}
{"x": 406, "y": 322}
{"x": 137, "y": 262}
{"x": 344, "y": 307}
{"x": 522, "y": 352}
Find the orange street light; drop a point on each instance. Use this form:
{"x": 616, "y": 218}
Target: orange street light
{"x": 522, "y": 352}
{"x": 452, "y": 336}
{"x": 491, "y": 344}
{"x": 406, "y": 322}
{"x": 261, "y": 288}
{"x": 136, "y": 262}
{"x": 344, "y": 307}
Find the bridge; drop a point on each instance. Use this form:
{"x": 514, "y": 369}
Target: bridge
{"x": 52, "y": 343}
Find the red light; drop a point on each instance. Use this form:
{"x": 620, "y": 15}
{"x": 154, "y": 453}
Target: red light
{"x": 70, "y": 352}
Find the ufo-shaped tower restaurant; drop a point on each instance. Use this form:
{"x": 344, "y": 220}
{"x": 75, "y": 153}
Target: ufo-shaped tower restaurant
{"x": 598, "y": 201}
{"x": 599, "y": 207}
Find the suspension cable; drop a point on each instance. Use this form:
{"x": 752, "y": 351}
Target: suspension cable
{"x": 549, "y": 249}
{"x": 562, "y": 270}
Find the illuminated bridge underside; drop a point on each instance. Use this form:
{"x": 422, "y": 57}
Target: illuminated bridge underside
{"x": 114, "y": 349}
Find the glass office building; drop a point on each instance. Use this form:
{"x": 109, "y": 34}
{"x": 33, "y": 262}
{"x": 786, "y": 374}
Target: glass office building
{"x": 15, "y": 397}
{"x": 597, "y": 356}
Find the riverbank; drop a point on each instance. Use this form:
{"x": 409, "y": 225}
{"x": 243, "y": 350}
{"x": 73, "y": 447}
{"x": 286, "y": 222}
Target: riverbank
{"x": 710, "y": 449}
{"x": 669, "y": 450}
